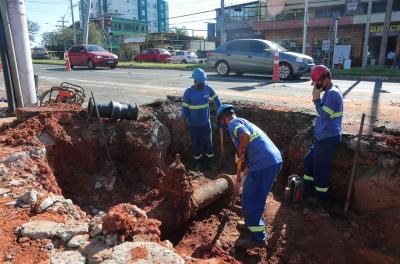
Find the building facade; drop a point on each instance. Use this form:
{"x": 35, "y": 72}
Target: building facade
{"x": 282, "y": 21}
{"x": 239, "y": 21}
{"x": 284, "y": 24}
{"x": 121, "y": 19}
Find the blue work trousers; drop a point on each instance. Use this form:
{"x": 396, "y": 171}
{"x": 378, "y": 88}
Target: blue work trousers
{"x": 318, "y": 168}
{"x": 202, "y": 141}
{"x": 256, "y": 187}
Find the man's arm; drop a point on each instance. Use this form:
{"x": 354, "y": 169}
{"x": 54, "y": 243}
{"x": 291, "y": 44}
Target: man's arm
{"x": 185, "y": 105}
{"x": 328, "y": 109}
{"x": 215, "y": 98}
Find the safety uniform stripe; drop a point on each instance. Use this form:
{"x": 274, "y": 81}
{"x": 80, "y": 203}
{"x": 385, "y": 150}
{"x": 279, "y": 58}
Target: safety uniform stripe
{"x": 236, "y": 129}
{"x": 308, "y": 178}
{"x": 210, "y": 155}
{"x": 332, "y": 113}
{"x": 214, "y": 96}
{"x": 185, "y": 105}
{"x": 198, "y": 157}
{"x": 256, "y": 228}
{"x": 197, "y": 107}
{"x": 254, "y": 136}
{"x": 319, "y": 189}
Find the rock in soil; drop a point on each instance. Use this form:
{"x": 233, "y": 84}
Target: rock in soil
{"x": 47, "y": 229}
{"x": 143, "y": 252}
{"x": 78, "y": 240}
{"x": 3, "y": 170}
{"x": 67, "y": 257}
{"x": 29, "y": 197}
{"x": 95, "y": 251}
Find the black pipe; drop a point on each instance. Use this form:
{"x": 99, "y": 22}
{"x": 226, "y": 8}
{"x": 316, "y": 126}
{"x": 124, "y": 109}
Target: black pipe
{"x": 115, "y": 110}
{"x": 6, "y": 70}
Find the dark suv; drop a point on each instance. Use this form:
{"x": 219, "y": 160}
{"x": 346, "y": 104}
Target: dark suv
{"x": 91, "y": 56}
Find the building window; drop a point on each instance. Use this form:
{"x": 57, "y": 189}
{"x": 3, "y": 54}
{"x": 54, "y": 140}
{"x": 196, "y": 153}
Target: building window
{"x": 143, "y": 13}
{"x": 142, "y": 3}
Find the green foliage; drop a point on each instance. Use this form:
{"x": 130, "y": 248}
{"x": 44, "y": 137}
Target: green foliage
{"x": 63, "y": 38}
{"x": 33, "y": 29}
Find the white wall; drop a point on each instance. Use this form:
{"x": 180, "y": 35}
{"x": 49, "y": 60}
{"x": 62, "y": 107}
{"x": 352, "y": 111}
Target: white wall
{"x": 127, "y": 9}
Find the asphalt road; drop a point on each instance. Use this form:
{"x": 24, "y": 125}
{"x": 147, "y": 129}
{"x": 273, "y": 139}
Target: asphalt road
{"x": 380, "y": 101}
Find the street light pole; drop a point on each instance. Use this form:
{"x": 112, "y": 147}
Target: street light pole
{"x": 305, "y": 26}
{"x": 366, "y": 37}
{"x": 222, "y": 41}
{"x": 73, "y": 22}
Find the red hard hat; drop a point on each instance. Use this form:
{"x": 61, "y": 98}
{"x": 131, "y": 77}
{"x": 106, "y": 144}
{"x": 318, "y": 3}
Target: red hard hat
{"x": 319, "y": 72}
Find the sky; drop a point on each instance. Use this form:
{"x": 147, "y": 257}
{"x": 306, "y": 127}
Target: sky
{"x": 48, "y": 12}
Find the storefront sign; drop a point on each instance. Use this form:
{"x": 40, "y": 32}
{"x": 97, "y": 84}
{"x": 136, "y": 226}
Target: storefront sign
{"x": 352, "y": 5}
{"x": 378, "y": 30}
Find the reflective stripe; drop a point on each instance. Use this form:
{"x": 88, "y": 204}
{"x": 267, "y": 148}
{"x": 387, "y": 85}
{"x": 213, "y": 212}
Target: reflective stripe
{"x": 195, "y": 107}
{"x": 210, "y": 155}
{"x": 198, "y": 157}
{"x": 332, "y": 113}
{"x": 308, "y": 178}
{"x": 214, "y": 96}
{"x": 236, "y": 129}
{"x": 254, "y": 136}
{"x": 319, "y": 189}
{"x": 256, "y": 228}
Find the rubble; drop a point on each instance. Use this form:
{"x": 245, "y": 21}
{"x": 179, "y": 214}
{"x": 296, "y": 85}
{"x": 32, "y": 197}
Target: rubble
{"x": 66, "y": 257}
{"x": 3, "y": 170}
{"x": 78, "y": 240}
{"x": 143, "y": 252}
{"x": 42, "y": 229}
{"x": 95, "y": 251}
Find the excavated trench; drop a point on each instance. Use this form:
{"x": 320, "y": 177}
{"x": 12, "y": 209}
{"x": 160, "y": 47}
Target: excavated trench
{"x": 148, "y": 175}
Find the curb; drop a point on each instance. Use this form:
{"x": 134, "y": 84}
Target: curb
{"x": 367, "y": 78}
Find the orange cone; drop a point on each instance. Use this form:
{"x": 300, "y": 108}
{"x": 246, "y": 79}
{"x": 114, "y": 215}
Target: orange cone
{"x": 67, "y": 62}
{"x": 275, "y": 72}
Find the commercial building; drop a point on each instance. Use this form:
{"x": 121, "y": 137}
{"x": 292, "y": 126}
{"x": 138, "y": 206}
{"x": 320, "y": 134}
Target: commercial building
{"x": 284, "y": 24}
{"x": 282, "y": 21}
{"x": 121, "y": 19}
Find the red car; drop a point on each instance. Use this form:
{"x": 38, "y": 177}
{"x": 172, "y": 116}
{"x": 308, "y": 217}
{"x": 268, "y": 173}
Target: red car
{"x": 154, "y": 55}
{"x": 91, "y": 56}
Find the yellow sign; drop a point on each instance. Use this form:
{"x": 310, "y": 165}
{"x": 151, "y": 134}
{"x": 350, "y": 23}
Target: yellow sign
{"x": 379, "y": 29}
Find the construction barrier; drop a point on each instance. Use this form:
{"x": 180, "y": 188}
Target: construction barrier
{"x": 275, "y": 73}
{"x": 67, "y": 62}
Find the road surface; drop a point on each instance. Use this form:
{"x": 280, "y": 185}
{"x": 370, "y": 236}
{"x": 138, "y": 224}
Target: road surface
{"x": 380, "y": 101}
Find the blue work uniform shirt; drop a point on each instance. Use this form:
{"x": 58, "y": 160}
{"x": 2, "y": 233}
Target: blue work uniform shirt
{"x": 196, "y": 105}
{"x": 330, "y": 111}
{"x": 261, "y": 152}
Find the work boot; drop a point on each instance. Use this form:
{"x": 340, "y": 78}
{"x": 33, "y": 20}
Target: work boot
{"x": 241, "y": 226}
{"x": 247, "y": 243}
{"x": 211, "y": 164}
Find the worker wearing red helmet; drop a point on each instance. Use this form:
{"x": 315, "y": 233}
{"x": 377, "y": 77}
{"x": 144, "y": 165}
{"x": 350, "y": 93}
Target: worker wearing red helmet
{"x": 328, "y": 132}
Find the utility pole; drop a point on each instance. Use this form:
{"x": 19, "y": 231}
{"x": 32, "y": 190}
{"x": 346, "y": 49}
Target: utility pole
{"x": 385, "y": 33}
{"x": 335, "y": 41}
{"x": 305, "y": 26}
{"x": 366, "y": 37}
{"x": 222, "y": 27}
{"x": 19, "y": 31}
{"x": 87, "y": 22}
{"x": 62, "y": 21}
{"x": 73, "y": 22}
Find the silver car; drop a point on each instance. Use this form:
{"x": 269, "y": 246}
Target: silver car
{"x": 257, "y": 56}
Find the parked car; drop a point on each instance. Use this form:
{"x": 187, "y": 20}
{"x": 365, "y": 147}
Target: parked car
{"x": 153, "y": 55}
{"x": 40, "y": 54}
{"x": 184, "y": 56}
{"x": 91, "y": 56}
{"x": 257, "y": 56}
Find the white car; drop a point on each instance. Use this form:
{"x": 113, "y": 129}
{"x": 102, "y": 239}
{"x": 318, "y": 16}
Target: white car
{"x": 184, "y": 56}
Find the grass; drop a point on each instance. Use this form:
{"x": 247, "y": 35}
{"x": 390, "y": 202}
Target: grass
{"x": 133, "y": 65}
{"x": 369, "y": 71}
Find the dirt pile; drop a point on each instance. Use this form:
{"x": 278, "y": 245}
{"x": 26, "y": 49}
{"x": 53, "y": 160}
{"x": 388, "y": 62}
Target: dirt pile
{"x": 132, "y": 224}
{"x": 56, "y": 161}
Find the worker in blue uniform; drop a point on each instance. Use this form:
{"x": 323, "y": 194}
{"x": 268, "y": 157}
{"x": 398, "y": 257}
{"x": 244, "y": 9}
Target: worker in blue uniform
{"x": 196, "y": 113}
{"x": 328, "y": 132}
{"x": 263, "y": 163}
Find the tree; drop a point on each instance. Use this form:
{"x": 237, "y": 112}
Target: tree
{"x": 180, "y": 31}
{"x": 63, "y": 38}
{"x": 33, "y": 29}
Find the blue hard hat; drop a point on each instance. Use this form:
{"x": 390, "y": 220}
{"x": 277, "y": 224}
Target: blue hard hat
{"x": 199, "y": 75}
{"x": 222, "y": 109}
